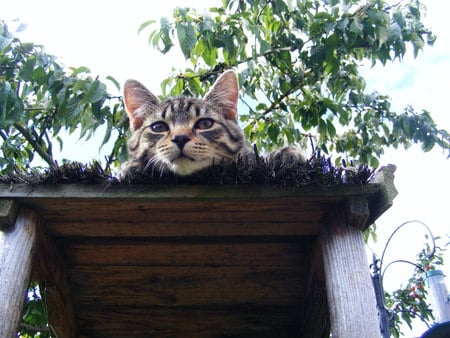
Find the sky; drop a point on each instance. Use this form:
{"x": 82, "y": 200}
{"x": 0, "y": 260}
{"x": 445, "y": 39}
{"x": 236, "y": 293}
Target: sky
{"x": 104, "y": 37}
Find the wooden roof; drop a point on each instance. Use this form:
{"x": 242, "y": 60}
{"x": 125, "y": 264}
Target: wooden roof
{"x": 190, "y": 261}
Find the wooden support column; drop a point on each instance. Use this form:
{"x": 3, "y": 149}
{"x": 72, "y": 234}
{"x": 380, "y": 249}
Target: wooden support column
{"x": 17, "y": 246}
{"x": 351, "y": 298}
{"x": 50, "y": 272}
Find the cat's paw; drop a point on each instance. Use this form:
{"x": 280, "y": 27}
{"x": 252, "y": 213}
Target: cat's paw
{"x": 287, "y": 155}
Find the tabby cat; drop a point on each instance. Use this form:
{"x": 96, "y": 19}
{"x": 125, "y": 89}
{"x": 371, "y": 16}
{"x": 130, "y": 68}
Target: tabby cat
{"x": 184, "y": 134}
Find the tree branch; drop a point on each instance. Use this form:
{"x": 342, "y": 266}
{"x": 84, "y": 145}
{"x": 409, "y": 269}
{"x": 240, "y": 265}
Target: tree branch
{"x": 34, "y": 328}
{"x": 36, "y": 146}
{"x": 220, "y": 67}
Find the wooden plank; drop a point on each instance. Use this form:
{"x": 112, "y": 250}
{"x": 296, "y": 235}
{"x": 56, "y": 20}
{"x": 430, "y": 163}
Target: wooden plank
{"x": 138, "y": 218}
{"x": 17, "y": 247}
{"x": 186, "y": 286}
{"x": 351, "y": 297}
{"x": 357, "y": 212}
{"x": 246, "y": 321}
{"x": 196, "y": 253}
{"x": 384, "y": 177}
{"x": 315, "y": 319}
{"x": 182, "y": 192}
{"x": 315, "y": 315}
{"x": 139, "y": 211}
{"x": 188, "y": 228}
{"x": 50, "y": 272}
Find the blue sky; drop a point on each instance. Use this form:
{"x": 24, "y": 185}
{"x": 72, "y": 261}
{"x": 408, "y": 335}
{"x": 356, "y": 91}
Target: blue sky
{"x": 103, "y": 36}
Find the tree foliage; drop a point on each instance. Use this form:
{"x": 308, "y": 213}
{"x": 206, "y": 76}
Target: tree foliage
{"x": 39, "y": 98}
{"x": 299, "y": 64}
{"x": 410, "y": 302}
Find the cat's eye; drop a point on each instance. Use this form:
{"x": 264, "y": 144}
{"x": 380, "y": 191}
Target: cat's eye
{"x": 204, "y": 124}
{"x": 159, "y": 127}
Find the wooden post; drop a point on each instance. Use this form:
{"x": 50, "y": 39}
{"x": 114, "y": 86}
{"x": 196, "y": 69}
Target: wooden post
{"x": 350, "y": 293}
{"x": 17, "y": 245}
{"x": 51, "y": 273}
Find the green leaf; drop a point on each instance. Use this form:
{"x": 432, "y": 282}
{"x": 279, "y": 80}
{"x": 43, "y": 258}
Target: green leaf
{"x": 178, "y": 88}
{"x": 145, "y": 24}
{"x": 209, "y": 55}
{"x": 186, "y": 38}
{"x": 417, "y": 42}
{"x": 383, "y": 35}
{"x": 165, "y": 36}
{"x": 331, "y": 129}
{"x": 95, "y": 92}
{"x": 356, "y": 27}
{"x": 273, "y": 131}
{"x": 26, "y": 71}
{"x": 109, "y": 127}
{"x": 409, "y": 126}
{"x": 80, "y": 70}
{"x": 114, "y": 81}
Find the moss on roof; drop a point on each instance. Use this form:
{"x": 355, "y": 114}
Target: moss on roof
{"x": 317, "y": 170}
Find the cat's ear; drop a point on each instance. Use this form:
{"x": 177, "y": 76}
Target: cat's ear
{"x": 139, "y": 101}
{"x": 225, "y": 94}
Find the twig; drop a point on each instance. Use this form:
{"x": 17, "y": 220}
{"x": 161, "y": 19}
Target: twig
{"x": 34, "y": 328}
{"x": 45, "y": 155}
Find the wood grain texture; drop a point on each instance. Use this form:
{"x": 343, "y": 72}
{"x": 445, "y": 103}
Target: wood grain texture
{"x": 50, "y": 271}
{"x": 195, "y": 253}
{"x": 17, "y": 246}
{"x": 142, "y": 218}
{"x": 351, "y": 297}
{"x": 8, "y": 213}
{"x": 194, "y": 261}
{"x": 246, "y": 321}
{"x": 185, "y": 286}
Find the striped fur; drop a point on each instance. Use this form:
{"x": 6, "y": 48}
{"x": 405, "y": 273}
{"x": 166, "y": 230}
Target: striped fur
{"x": 184, "y": 134}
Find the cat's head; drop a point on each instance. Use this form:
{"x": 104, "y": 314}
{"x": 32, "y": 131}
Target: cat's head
{"x": 184, "y": 134}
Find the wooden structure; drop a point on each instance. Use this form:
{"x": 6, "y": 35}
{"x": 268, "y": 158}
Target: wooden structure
{"x": 192, "y": 261}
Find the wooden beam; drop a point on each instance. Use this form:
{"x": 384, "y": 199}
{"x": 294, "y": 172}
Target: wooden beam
{"x": 357, "y": 212}
{"x": 316, "y": 309}
{"x": 183, "y": 192}
{"x": 350, "y": 293}
{"x": 8, "y": 213}
{"x": 17, "y": 246}
{"x": 49, "y": 270}
{"x": 384, "y": 177}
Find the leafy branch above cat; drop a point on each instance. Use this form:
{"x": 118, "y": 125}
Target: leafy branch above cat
{"x": 299, "y": 69}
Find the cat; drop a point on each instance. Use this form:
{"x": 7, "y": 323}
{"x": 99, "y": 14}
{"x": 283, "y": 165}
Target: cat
{"x": 184, "y": 134}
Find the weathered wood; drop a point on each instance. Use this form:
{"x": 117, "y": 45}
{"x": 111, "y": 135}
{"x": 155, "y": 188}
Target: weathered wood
{"x": 315, "y": 319}
{"x": 192, "y": 261}
{"x": 133, "y": 228}
{"x": 17, "y": 246}
{"x": 245, "y": 321}
{"x": 186, "y": 286}
{"x": 8, "y": 213}
{"x": 141, "y": 218}
{"x": 50, "y": 271}
{"x": 384, "y": 177}
{"x": 183, "y": 192}
{"x": 357, "y": 212}
{"x": 350, "y": 293}
{"x": 196, "y": 253}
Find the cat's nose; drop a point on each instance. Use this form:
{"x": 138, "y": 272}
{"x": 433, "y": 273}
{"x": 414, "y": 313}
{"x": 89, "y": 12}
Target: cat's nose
{"x": 181, "y": 140}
